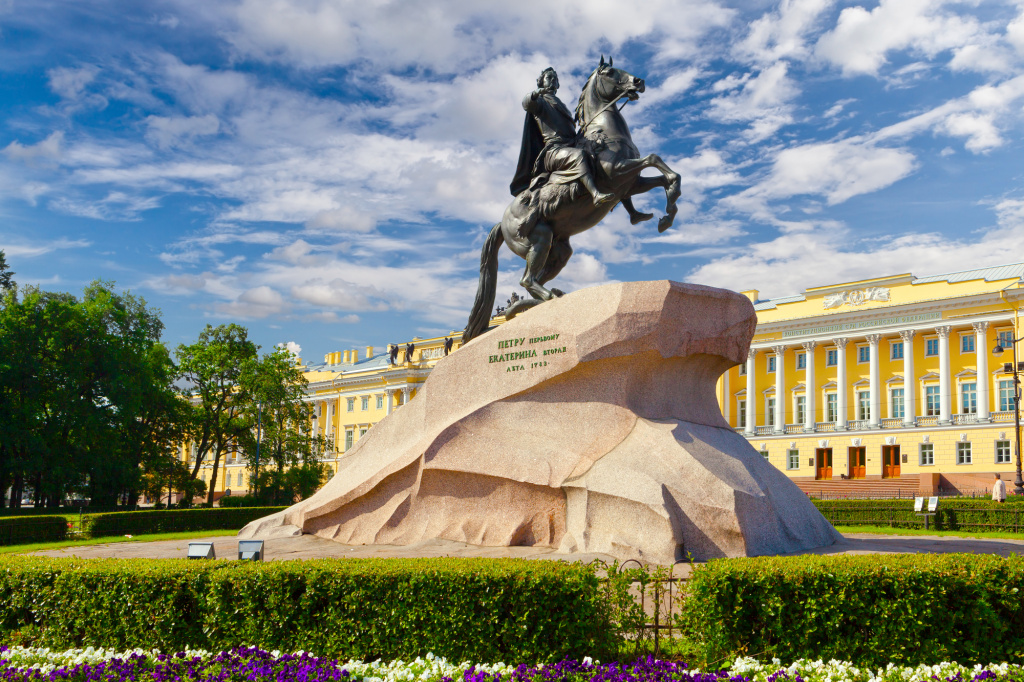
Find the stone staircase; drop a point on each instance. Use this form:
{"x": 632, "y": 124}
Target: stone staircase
{"x": 839, "y": 489}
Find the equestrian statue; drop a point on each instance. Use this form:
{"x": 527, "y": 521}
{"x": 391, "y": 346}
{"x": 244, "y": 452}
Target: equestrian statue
{"x": 567, "y": 181}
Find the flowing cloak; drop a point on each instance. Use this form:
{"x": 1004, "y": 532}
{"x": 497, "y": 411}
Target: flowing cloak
{"x": 529, "y": 150}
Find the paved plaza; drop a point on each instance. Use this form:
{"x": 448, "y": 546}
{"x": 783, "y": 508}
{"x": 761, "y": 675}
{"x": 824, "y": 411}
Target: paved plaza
{"x": 313, "y": 547}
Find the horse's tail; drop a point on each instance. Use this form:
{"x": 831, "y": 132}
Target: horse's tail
{"x": 481, "y": 313}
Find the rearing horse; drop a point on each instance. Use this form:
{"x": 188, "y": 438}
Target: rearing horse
{"x": 539, "y": 221}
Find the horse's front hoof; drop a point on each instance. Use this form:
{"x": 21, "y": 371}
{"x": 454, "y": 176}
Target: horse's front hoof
{"x": 557, "y": 292}
{"x": 664, "y": 223}
{"x": 638, "y": 218}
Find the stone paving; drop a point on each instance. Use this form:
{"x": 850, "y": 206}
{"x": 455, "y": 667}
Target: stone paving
{"x": 313, "y": 547}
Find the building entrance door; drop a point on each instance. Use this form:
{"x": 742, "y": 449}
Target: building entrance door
{"x": 858, "y": 469}
{"x": 890, "y": 461}
{"x": 823, "y": 465}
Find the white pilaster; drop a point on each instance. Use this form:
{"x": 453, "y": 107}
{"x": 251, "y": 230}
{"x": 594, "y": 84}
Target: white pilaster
{"x": 811, "y": 389}
{"x": 780, "y": 388}
{"x": 981, "y": 352}
{"x": 389, "y": 399}
{"x": 944, "y": 382}
{"x": 751, "y": 403}
{"x": 873, "y": 381}
{"x": 909, "y": 382}
{"x": 406, "y": 392}
{"x": 841, "y": 388}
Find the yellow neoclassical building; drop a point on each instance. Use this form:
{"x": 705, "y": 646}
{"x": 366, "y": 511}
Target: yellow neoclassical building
{"x": 886, "y": 378}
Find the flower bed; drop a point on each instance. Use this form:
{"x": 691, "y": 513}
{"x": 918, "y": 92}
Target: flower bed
{"x": 255, "y": 665}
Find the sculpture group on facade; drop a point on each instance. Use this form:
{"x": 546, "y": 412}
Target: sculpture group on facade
{"x": 568, "y": 179}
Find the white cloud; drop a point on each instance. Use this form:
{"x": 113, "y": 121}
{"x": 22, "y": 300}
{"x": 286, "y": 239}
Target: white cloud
{"x": 782, "y": 33}
{"x": 792, "y": 262}
{"x": 763, "y": 100}
{"x": 45, "y": 150}
{"x": 22, "y": 249}
{"x": 167, "y": 131}
{"x": 862, "y": 39}
{"x": 835, "y": 170}
{"x": 71, "y": 83}
{"x": 292, "y": 347}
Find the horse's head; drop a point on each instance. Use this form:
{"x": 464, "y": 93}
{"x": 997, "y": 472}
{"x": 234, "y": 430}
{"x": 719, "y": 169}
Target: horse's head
{"x": 607, "y": 84}
{"x": 612, "y": 84}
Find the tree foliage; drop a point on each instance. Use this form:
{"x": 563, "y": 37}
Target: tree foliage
{"x": 86, "y": 395}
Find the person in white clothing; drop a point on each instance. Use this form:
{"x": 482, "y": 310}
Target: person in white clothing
{"x": 999, "y": 490}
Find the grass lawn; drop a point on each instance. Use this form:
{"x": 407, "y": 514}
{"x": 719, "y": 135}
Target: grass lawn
{"x": 187, "y": 535}
{"x": 881, "y": 530}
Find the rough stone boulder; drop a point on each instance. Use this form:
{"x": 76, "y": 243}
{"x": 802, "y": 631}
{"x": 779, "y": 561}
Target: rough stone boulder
{"x": 587, "y": 424}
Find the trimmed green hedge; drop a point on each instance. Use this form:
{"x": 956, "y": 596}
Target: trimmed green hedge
{"x": 870, "y": 609}
{"x": 465, "y": 609}
{"x": 953, "y": 514}
{"x": 173, "y": 520}
{"x": 236, "y": 501}
{"x": 19, "y": 530}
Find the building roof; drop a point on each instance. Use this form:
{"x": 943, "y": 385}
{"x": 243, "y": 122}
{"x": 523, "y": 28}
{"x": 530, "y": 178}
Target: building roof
{"x": 989, "y": 274}
{"x": 996, "y": 272}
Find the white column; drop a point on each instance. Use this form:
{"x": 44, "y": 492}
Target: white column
{"x": 944, "y": 383}
{"x": 811, "y": 389}
{"x": 780, "y": 388}
{"x": 841, "y": 387}
{"x": 751, "y": 403}
{"x": 405, "y": 394}
{"x": 873, "y": 381}
{"x": 389, "y": 398}
{"x": 726, "y": 407}
{"x": 909, "y": 382}
{"x": 981, "y": 351}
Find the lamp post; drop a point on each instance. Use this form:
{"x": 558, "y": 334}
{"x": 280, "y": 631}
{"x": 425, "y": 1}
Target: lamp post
{"x": 1018, "y": 484}
{"x": 259, "y": 437}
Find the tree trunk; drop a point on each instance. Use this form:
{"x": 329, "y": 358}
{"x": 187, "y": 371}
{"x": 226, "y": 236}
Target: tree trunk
{"x": 213, "y": 479}
{"x": 37, "y": 494}
{"x": 16, "y": 490}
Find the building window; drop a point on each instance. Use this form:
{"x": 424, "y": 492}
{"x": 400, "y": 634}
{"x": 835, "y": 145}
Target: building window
{"x": 969, "y": 398}
{"x": 792, "y": 459}
{"x": 801, "y": 360}
{"x": 931, "y": 400}
{"x": 963, "y": 453}
{"x": 351, "y": 405}
{"x": 896, "y": 350}
{"x": 365, "y": 403}
{"x": 741, "y": 413}
{"x": 1002, "y": 452}
{"x": 927, "y": 454}
{"x": 769, "y": 414}
{"x": 863, "y": 353}
{"x": 1005, "y": 339}
{"x": 380, "y": 402}
{"x": 931, "y": 347}
{"x": 801, "y": 407}
{"x": 1006, "y": 395}
{"x": 864, "y": 405}
{"x": 831, "y": 407}
{"x": 967, "y": 343}
{"x": 743, "y": 369}
{"x": 349, "y": 437}
{"x": 764, "y": 453}
{"x": 362, "y": 431}
{"x": 771, "y": 364}
{"x": 239, "y": 479}
{"x": 831, "y": 357}
{"x": 897, "y": 404}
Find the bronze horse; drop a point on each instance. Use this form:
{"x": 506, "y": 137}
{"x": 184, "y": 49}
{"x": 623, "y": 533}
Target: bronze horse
{"x": 538, "y": 223}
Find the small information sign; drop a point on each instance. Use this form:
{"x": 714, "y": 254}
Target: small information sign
{"x": 918, "y": 504}
{"x": 933, "y": 504}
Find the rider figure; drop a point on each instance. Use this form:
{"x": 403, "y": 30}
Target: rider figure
{"x": 550, "y": 124}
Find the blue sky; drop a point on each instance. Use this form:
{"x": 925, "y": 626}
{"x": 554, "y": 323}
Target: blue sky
{"x": 324, "y": 171}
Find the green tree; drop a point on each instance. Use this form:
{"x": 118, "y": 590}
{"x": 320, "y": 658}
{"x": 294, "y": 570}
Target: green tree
{"x": 6, "y": 276}
{"x": 289, "y": 462}
{"x": 86, "y": 394}
{"x": 214, "y": 367}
